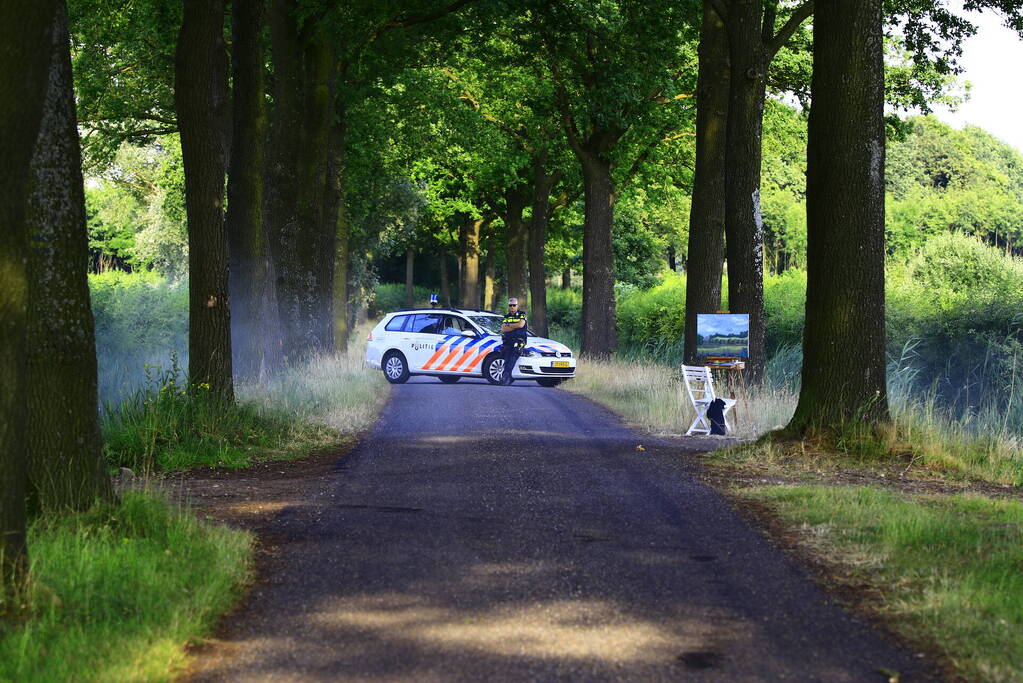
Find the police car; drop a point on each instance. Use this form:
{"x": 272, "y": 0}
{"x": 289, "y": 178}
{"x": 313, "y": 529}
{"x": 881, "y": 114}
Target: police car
{"x": 451, "y": 344}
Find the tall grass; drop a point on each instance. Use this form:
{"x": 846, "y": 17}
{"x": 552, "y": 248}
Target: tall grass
{"x": 167, "y": 425}
{"x": 335, "y": 390}
{"x": 141, "y": 318}
{"x": 985, "y": 443}
{"x": 116, "y": 592}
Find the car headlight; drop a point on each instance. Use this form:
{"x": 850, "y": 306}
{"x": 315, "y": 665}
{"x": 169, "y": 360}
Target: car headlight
{"x": 526, "y": 353}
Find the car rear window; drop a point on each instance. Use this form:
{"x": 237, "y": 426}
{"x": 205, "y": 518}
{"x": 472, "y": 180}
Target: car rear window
{"x": 397, "y": 323}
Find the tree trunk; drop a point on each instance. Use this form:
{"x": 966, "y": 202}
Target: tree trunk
{"x": 273, "y": 357}
{"x": 336, "y": 229}
{"x": 282, "y": 161}
{"x": 706, "y": 251}
{"x": 315, "y": 250}
{"x": 209, "y": 329}
{"x": 244, "y": 223}
{"x": 341, "y": 304}
{"x": 599, "y": 334}
{"x": 340, "y": 309}
{"x": 463, "y": 228}
{"x": 844, "y": 380}
{"x": 490, "y": 280}
{"x": 566, "y": 278}
{"x": 744, "y": 228}
{"x": 470, "y": 289}
{"x": 516, "y": 236}
{"x": 26, "y": 31}
{"x": 445, "y": 285}
{"x": 410, "y": 293}
{"x": 542, "y": 185}
{"x": 301, "y": 240}
{"x": 66, "y": 466}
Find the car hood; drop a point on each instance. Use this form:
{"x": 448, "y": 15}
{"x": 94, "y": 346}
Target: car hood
{"x": 542, "y": 345}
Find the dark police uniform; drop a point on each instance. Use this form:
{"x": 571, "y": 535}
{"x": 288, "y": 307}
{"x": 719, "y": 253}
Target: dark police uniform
{"x": 512, "y": 343}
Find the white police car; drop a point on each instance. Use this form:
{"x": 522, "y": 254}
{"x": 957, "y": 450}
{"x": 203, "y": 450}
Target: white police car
{"x": 450, "y": 344}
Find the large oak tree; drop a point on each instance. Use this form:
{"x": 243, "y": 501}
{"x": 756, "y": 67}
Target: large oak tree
{"x": 200, "y": 96}
{"x": 66, "y": 466}
{"x": 843, "y": 375}
{"x": 26, "y": 31}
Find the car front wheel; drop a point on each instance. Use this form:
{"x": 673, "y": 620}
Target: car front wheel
{"x": 395, "y": 368}
{"x": 493, "y": 368}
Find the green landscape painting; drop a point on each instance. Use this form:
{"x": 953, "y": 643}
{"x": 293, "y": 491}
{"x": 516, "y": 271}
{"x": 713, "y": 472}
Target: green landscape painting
{"x": 722, "y": 335}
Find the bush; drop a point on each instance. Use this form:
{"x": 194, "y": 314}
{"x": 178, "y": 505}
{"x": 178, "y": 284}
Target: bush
{"x": 140, "y": 318}
{"x": 564, "y": 308}
{"x": 391, "y": 297}
{"x": 962, "y": 300}
{"x": 784, "y": 310}
{"x": 653, "y": 316}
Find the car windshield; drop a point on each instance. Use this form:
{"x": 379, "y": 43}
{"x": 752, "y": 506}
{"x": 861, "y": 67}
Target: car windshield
{"x": 490, "y": 323}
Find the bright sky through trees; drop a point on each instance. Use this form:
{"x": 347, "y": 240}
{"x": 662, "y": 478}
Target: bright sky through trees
{"x": 990, "y": 61}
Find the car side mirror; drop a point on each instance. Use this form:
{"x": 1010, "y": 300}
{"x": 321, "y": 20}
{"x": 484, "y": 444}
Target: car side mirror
{"x": 469, "y": 333}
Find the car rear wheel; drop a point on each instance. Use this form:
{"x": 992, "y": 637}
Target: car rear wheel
{"x": 549, "y": 381}
{"x": 493, "y": 368}
{"x": 395, "y": 368}
{"x": 449, "y": 379}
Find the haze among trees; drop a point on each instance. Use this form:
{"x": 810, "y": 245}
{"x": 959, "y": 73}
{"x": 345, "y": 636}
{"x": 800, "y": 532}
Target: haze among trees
{"x": 282, "y": 156}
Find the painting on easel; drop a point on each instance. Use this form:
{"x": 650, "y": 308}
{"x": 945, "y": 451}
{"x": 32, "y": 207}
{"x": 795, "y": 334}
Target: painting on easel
{"x": 722, "y": 338}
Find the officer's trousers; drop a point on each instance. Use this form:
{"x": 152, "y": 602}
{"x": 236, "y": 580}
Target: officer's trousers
{"x": 510, "y": 352}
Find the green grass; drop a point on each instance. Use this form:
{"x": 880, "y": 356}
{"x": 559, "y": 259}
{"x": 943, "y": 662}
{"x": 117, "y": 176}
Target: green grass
{"x": 950, "y": 568}
{"x": 165, "y": 427}
{"x": 924, "y": 438}
{"x": 118, "y": 591}
{"x": 653, "y": 397}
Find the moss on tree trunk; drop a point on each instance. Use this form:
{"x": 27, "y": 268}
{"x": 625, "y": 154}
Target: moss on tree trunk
{"x": 843, "y": 375}
{"x": 66, "y": 466}
{"x": 25, "y": 40}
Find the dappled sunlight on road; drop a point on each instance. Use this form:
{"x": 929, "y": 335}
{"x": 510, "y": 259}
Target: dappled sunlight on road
{"x": 598, "y": 630}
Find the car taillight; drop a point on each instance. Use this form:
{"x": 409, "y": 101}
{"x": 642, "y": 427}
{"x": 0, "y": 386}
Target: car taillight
{"x": 369, "y": 337}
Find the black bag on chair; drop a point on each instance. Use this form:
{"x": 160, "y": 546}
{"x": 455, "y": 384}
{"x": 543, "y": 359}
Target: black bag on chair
{"x": 716, "y": 415}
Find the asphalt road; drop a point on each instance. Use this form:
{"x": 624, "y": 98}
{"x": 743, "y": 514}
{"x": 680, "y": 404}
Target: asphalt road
{"x": 485, "y": 533}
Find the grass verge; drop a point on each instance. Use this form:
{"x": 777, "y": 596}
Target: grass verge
{"x": 923, "y": 440}
{"x": 653, "y": 397}
{"x": 116, "y": 592}
{"x": 947, "y": 567}
{"x": 317, "y": 404}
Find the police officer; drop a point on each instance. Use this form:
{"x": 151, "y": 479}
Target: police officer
{"x": 513, "y": 338}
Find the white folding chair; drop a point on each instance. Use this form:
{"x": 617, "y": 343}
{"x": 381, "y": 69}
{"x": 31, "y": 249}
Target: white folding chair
{"x": 700, "y": 386}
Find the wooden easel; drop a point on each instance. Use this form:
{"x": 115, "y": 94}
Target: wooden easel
{"x": 734, "y": 378}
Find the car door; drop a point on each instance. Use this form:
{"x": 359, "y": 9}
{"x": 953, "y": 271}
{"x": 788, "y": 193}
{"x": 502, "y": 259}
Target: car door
{"x": 422, "y": 339}
{"x": 454, "y": 345}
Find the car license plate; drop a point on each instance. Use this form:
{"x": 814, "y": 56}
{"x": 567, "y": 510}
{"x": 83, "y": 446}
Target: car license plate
{"x": 559, "y": 364}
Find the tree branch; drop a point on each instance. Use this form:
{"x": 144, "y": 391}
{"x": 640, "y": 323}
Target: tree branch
{"x": 800, "y": 15}
{"x": 640, "y": 159}
{"x": 475, "y": 105}
{"x": 571, "y": 131}
{"x": 413, "y": 19}
{"x": 565, "y": 200}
